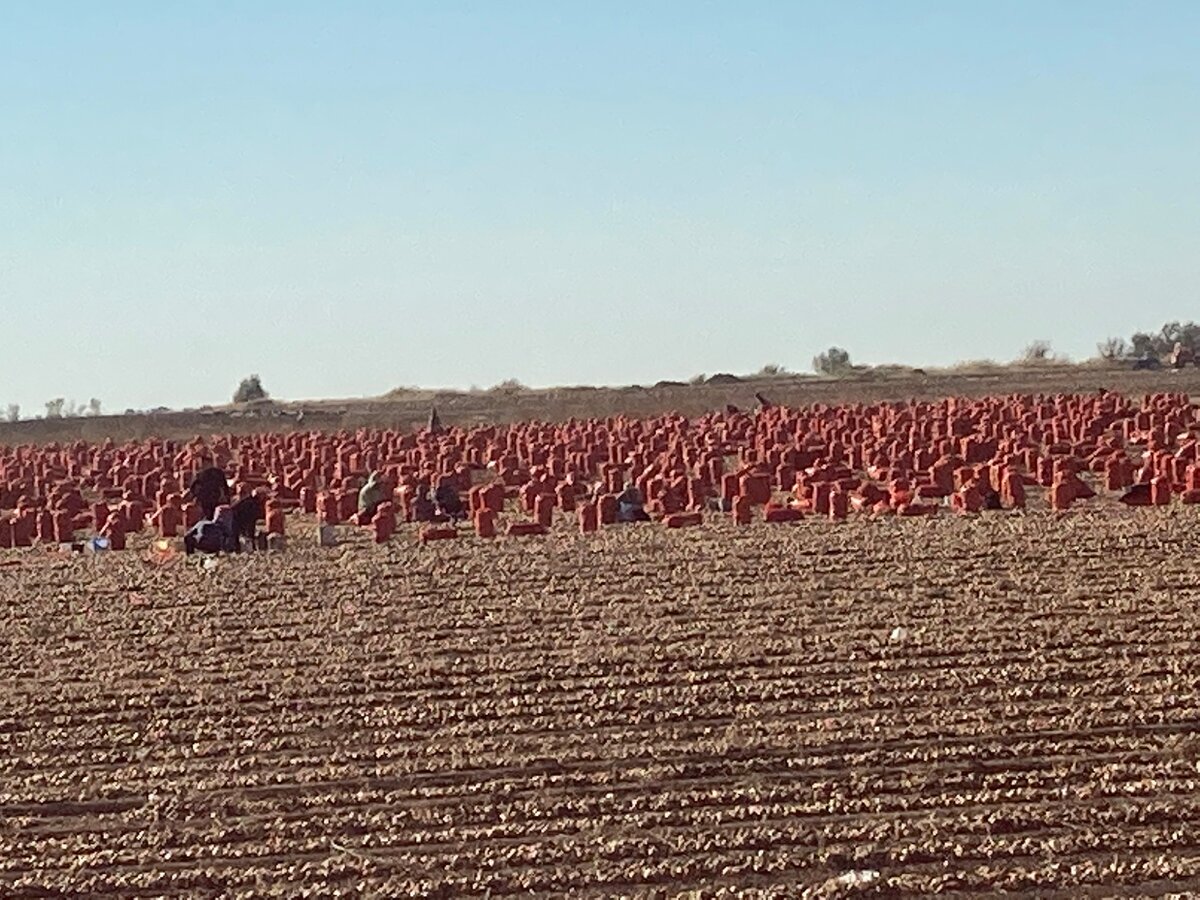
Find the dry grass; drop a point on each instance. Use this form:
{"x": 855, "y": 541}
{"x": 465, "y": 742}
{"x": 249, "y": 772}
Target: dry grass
{"x": 410, "y": 406}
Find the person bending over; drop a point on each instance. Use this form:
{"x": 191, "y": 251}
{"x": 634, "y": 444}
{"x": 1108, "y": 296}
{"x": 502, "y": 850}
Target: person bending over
{"x": 449, "y": 504}
{"x": 209, "y": 489}
{"x": 215, "y": 535}
{"x": 630, "y": 507}
{"x": 369, "y": 498}
{"x": 247, "y": 513}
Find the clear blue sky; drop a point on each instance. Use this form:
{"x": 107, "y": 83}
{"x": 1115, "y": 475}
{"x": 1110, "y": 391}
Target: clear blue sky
{"x": 366, "y": 195}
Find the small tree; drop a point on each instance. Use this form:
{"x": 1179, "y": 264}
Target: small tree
{"x": 249, "y": 390}
{"x": 772, "y": 370}
{"x": 1161, "y": 344}
{"x": 93, "y": 407}
{"x": 1038, "y": 351}
{"x": 834, "y": 361}
{"x": 14, "y": 412}
{"x": 1143, "y": 344}
{"x": 1113, "y": 349}
{"x": 1185, "y": 333}
{"x": 54, "y": 408}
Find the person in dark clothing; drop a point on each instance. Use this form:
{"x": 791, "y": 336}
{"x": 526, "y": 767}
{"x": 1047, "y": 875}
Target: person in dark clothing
{"x": 630, "y": 506}
{"x": 247, "y": 513}
{"x": 215, "y": 535}
{"x": 209, "y": 489}
{"x": 423, "y": 506}
{"x": 448, "y": 502}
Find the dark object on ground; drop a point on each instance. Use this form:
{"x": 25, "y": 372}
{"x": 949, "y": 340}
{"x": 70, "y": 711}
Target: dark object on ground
{"x": 731, "y": 409}
{"x": 435, "y": 423}
{"x": 1147, "y": 364}
{"x": 630, "y": 506}
{"x": 763, "y": 402}
{"x": 213, "y": 535}
{"x": 247, "y": 513}
{"x": 1137, "y": 495}
{"x": 423, "y": 508}
{"x": 448, "y": 502}
{"x": 206, "y": 536}
{"x": 991, "y": 500}
{"x": 627, "y": 514}
{"x": 209, "y": 489}
{"x": 724, "y": 378}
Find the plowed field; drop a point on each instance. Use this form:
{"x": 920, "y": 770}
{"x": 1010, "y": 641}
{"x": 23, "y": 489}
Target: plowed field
{"x": 960, "y": 705}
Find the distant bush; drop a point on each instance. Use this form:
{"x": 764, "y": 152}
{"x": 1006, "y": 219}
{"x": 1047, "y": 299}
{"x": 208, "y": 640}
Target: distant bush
{"x": 1143, "y": 344}
{"x": 772, "y": 370}
{"x": 1112, "y": 349}
{"x": 508, "y": 386}
{"x": 14, "y": 412}
{"x": 698, "y": 379}
{"x": 249, "y": 390}
{"x": 54, "y": 408}
{"x": 834, "y": 361}
{"x": 1037, "y": 352}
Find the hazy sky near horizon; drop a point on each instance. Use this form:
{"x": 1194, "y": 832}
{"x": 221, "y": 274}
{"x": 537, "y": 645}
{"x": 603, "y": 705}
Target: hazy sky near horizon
{"x": 349, "y": 197}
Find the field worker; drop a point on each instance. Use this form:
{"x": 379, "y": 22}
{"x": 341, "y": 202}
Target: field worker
{"x": 369, "y": 498}
{"x": 630, "y": 507}
{"x": 214, "y": 535}
{"x": 227, "y": 521}
{"x": 209, "y": 489}
{"x": 246, "y": 514}
{"x": 449, "y": 504}
{"x": 423, "y": 508}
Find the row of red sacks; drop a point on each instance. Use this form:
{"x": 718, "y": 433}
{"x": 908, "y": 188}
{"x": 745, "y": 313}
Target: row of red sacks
{"x": 903, "y": 457}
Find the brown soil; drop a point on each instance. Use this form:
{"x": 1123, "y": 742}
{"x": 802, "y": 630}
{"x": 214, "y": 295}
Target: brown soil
{"x": 408, "y": 408}
{"x": 658, "y": 713}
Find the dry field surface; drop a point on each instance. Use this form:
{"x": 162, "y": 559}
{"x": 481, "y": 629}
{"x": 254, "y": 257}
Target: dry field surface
{"x": 961, "y": 705}
{"x": 409, "y": 408}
